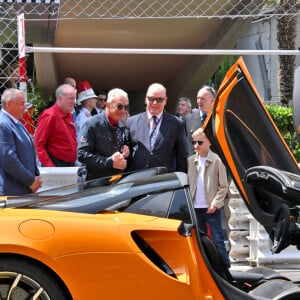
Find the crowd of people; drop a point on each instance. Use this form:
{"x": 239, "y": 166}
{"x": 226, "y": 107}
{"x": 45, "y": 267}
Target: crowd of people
{"x": 95, "y": 129}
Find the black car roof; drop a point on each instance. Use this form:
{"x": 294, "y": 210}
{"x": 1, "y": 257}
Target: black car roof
{"x": 91, "y": 199}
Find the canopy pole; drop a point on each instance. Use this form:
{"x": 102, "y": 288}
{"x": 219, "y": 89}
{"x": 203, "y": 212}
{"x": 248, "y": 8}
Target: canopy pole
{"x": 159, "y": 51}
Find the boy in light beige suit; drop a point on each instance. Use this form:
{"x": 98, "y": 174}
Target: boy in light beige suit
{"x": 208, "y": 185}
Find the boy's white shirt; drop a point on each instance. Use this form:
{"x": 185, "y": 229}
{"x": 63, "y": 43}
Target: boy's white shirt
{"x": 200, "y": 199}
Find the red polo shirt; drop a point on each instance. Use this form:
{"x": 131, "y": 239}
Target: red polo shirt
{"x": 56, "y": 133}
{"x": 111, "y": 121}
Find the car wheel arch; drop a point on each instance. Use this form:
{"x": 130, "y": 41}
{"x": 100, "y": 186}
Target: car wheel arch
{"x": 42, "y": 267}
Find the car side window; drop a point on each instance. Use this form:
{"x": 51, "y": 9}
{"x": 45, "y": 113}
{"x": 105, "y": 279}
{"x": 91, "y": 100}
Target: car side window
{"x": 179, "y": 209}
{"x": 152, "y": 204}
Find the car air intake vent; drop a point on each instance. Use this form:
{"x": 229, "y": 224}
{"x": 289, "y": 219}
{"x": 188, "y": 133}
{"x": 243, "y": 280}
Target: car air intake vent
{"x": 152, "y": 255}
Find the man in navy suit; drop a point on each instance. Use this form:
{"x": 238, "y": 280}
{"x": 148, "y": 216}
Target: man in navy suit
{"x": 157, "y": 137}
{"x": 19, "y": 174}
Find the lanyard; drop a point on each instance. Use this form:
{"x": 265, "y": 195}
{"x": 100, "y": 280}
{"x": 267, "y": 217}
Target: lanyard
{"x": 154, "y": 126}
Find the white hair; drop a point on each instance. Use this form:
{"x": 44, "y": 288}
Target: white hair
{"x": 10, "y": 94}
{"x": 116, "y": 92}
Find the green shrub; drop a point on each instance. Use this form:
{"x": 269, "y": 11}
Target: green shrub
{"x": 283, "y": 118}
{"x": 39, "y": 102}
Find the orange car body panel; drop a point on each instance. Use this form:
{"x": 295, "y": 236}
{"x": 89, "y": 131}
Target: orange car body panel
{"x": 96, "y": 257}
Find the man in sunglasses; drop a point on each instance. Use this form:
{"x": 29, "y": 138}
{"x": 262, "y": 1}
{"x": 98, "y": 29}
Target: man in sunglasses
{"x": 101, "y": 102}
{"x": 157, "y": 137}
{"x": 103, "y": 143}
{"x": 205, "y": 98}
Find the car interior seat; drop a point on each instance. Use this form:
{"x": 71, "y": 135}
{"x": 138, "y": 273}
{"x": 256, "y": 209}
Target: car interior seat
{"x": 259, "y": 282}
{"x": 277, "y": 289}
{"x": 283, "y": 201}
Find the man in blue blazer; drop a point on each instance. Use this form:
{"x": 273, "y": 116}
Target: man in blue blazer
{"x": 157, "y": 137}
{"x": 19, "y": 174}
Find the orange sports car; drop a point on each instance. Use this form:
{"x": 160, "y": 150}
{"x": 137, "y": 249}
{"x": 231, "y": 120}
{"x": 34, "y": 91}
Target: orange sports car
{"x": 135, "y": 236}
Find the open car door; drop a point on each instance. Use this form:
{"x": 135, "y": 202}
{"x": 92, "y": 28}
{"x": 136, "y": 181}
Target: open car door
{"x": 262, "y": 166}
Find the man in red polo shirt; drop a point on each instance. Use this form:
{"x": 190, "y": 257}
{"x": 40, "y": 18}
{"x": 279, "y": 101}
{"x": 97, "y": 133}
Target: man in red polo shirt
{"x": 56, "y": 133}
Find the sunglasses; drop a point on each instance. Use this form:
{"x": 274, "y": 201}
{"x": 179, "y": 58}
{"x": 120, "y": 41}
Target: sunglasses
{"x": 120, "y": 107}
{"x": 158, "y": 100}
{"x": 197, "y": 142}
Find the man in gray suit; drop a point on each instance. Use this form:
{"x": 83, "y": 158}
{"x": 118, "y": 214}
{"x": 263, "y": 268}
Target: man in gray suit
{"x": 19, "y": 174}
{"x": 157, "y": 137}
{"x": 205, "y": 98}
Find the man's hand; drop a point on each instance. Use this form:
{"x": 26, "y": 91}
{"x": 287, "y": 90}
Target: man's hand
{"x": 36, "y": 184}
{"x": 125, "y": 151}
{"x": 119, "y": 161}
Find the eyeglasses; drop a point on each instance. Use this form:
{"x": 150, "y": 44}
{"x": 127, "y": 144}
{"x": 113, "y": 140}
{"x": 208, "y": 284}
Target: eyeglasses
{"x": 158, "y": 100}
{"x": 197, "y": 142}
{"x": 120, "y": 106}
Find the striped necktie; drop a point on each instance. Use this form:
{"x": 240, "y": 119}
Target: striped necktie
{"x": 153, "y": 133}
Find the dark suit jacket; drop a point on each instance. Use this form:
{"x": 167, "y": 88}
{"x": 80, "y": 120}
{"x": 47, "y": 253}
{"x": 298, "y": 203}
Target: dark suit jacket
{"x": 170, "y": 148}
{"x": 97, "y": 144}
{"x": 192, "y": 122}
{"x": 17, "y": 158}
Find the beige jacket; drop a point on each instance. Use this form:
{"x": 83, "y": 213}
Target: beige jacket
{"x": 215, "y": 179}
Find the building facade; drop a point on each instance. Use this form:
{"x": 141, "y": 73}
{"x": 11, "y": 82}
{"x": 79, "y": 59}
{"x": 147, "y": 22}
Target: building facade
{"x": 264, "y": 69}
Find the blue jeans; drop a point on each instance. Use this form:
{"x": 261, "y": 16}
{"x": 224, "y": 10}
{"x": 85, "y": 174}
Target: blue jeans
{"x": 215, "y": 224}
